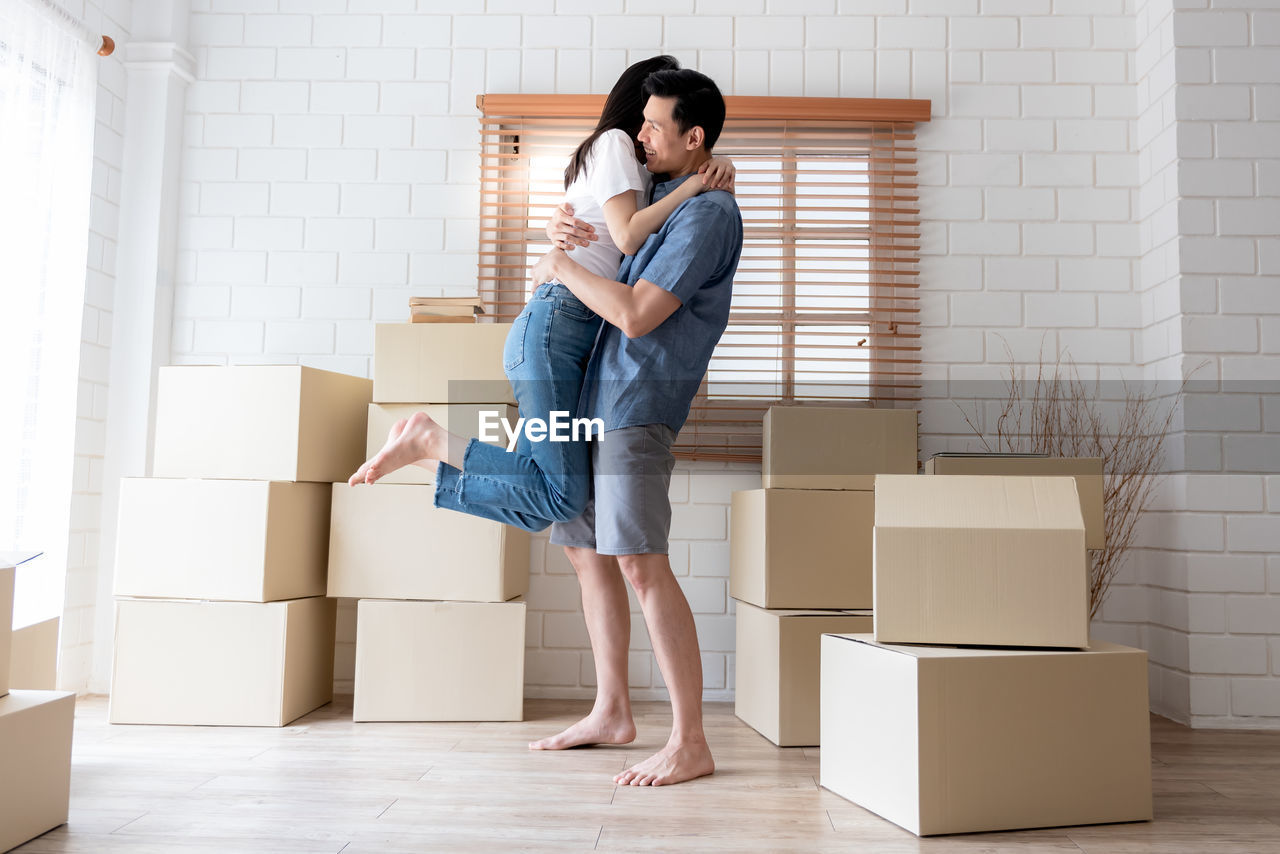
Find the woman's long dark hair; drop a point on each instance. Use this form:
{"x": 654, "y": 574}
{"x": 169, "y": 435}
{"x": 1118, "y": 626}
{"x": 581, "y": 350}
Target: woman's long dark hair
{"x": 624, "y": 108}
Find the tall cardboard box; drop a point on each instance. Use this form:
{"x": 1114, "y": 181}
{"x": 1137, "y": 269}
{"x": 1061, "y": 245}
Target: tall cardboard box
{"x": 387, "y": 541}
{"x": 1087, "y": 472}
{"x": 946, "y": 740}
{"x": 801, "y": 548}
{"x": 35, "y": 763}
{"x": 462, "y": 419}
{"x": 827, "y": 447}
{"x": 221, "y": 663}
{"x": 440, "y": 363}
{"x": 777, "y": 678}
{"x": 7, "y": 574}
{"x": 228, "y": 540}
{"x": 439, "y": 661}
{"x": 975, "y": 559}
{"x": 269, "y": 422}
{"x": 33, "y": 661}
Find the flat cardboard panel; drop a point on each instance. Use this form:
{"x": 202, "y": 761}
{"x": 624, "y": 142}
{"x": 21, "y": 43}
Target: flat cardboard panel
{"x": 462, "y": 419}
{"x": 439, "y": 661}
{"x": 387, "y": 541}
{"x": 1003, "y": 739}
{"x": 260, "y": 422}
{"x": 221, "y": 663}
{"x": 440, "y": 363}
{"x": 1087, "y": 472}
{"x": 35, "y": 763}
{"x": 975, "y": 559}
{"x": 777, "y": 679}
{"x": 801, "y": 548}
{"x": 827, "y": 447}
{"x": 7, "y": 576}
{"x": 226, "y": 540}
{"x": 33, "y": 661}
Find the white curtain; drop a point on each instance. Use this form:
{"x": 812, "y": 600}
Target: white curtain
{"x": 48, "y": 87}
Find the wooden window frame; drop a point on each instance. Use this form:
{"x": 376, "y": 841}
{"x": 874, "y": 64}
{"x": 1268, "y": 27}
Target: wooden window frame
{"x": 729, "y": 428}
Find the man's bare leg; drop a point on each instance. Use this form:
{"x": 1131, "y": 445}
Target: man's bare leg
{"x": 675, "y": 642}
{"x": 608, "y": 616}
{"x": 416, "y": 440}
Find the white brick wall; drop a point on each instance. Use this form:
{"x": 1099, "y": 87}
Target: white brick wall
{"x": 77, "y": 638}
{"x": 330, "y": 173}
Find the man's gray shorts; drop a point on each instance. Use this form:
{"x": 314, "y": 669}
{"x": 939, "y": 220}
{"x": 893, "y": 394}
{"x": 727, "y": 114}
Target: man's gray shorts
{"x": 630, "y": 509}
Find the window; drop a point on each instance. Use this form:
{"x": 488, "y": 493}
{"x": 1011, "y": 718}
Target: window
{"x": 47, "y": 90}
{"x": 824, "y": 300}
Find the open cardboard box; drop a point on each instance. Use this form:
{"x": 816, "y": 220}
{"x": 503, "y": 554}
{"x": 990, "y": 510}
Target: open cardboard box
{"x": 977, "y": 559}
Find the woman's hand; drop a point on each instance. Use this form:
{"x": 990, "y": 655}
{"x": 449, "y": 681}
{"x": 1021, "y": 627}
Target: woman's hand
{"x": 544, "y": 270}
{"x": 566, "y": 232}
{"x": 718, "y": 174}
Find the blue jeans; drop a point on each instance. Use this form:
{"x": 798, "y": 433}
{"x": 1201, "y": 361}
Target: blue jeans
{"x": 545, "y": 359}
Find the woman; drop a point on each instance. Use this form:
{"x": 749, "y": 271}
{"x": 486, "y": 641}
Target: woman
{"x": 547, "y": 350}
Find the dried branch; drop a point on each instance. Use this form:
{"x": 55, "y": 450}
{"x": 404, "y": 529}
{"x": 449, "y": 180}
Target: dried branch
{"x": 1064, "y": 418}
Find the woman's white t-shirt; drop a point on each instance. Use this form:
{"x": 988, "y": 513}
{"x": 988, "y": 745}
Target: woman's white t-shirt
{"x": 610, "y": 169}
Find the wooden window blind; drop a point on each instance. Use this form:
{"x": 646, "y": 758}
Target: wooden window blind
{"x": 824, "y": 301}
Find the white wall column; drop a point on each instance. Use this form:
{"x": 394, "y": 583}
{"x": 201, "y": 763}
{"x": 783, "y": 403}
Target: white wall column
{"x": 159, "y": 67}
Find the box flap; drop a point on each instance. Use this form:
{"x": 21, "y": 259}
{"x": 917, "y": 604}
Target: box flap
{"x": 978, "y": 502}
{"x": 14, "y": 559}
{"x": 947, "y": 651}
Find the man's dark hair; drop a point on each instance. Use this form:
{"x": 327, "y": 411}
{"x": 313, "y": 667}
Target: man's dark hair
{"x": 698, "y": 100}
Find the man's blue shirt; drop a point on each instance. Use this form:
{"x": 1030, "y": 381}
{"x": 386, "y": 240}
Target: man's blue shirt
{"x": 653, "y": 379}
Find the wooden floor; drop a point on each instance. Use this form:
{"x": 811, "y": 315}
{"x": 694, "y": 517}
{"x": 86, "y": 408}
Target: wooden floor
{"x": 326, "y": 784}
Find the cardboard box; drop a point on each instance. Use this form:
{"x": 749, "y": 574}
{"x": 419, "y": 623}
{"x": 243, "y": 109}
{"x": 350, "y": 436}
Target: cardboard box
{"x": 440, "y": 363}
{"x": 1087, "y": 472}
{"x": 35, "y": 763}
{"x": 439, "y": 661}
{"x": 7, "y": 575}
{"x": 826, "y": 447}
{"x": 777, "y": 679}
{"x": 387, "y": 541}
{"x": 463, "y": 419}
{"x": 801, "y": 548}
{"x": 228, "y": 540}
{"x": 221, "y": 663}
{"x": 946, "y": 740}
{"x": 274, "y": 422}
{"x": 33, "y": 661}
{"x": 979, "y": 559}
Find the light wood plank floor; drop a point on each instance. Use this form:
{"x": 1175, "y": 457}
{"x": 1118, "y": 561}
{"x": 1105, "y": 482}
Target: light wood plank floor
{"x": 328, "y": 785}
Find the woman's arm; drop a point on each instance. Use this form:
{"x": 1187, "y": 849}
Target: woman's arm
{"x": 629, "y": 227}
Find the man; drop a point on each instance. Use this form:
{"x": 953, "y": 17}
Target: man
{"x": 663, "y": 316}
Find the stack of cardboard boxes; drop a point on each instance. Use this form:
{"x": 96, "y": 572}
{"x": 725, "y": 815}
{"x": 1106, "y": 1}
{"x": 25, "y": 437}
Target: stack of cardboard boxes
{"x": 220, "y": 569}
{"x": 979, "y": 703}
{"x": 35, "y": 745}
{"x": 800, "y": 554}
{"x": 438, "y": 633}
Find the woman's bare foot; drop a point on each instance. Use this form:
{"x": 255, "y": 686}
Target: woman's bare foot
{"x": 675, "y": 763}
{"x": 593, "y": 729}
{"x": 411, "y": 440}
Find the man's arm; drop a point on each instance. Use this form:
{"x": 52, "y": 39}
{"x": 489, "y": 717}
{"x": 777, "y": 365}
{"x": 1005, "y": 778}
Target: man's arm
{"x": 636, "y": 311}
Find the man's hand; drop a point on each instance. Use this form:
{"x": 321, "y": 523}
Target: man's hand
{"x": 545, "y": 270}
{"x": 718, "y": 174}
{"x": 566, "y": 232}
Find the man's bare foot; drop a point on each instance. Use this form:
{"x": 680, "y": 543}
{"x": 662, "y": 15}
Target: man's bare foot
{"x": 411, "y": 440}
{"x": 593, "y": 729}
{"x": 675, "y": 763}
